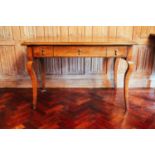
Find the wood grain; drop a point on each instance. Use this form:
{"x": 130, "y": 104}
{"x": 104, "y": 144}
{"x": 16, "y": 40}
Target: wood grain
{"x": 77, "y": 108}
{"x": 12, "y": 51}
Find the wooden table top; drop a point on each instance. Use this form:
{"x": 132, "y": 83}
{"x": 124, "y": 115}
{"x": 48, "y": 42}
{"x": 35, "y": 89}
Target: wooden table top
{"x": 84, "y": 41}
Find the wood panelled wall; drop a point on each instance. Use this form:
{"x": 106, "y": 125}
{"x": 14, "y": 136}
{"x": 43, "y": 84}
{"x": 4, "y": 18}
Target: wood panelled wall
{"x": 75, "y": 72}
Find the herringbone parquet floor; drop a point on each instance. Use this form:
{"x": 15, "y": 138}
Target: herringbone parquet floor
{"x": 79, "y": 108}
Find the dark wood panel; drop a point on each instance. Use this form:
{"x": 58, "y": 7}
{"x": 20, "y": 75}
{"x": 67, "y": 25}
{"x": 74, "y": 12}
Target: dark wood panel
{"x": 13, "y": 36}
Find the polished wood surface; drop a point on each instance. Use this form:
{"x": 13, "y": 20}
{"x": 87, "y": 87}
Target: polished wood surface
{"x": 126, "y": 83}
{"x": 117, "y": 51}
{"x": 31, "y": 71}
{"x": 80, "y": 51}
{"x": 43, "y": 49}
{"x": 77, "y": 108}
{"x": 34, "y": 82}
{"x": 13, "y": 72}
{"x": 96, "y": 41}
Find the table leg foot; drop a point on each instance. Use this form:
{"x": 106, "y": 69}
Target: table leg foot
{"x": 34, "y": 107}
{"x": 43, "y": 90}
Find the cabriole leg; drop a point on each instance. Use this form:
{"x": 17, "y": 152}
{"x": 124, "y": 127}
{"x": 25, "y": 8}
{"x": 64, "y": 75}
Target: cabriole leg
{"x": 33, "y": 76}
{"x": 126, "y": 82}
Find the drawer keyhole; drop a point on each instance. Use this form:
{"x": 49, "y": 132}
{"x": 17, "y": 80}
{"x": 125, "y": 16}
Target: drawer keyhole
{"x": 79, "y": 52}
{"x": 116, "y": 52}
{"x": 43, "y": 52}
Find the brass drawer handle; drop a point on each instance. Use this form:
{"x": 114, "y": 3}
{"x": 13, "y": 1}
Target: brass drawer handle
{"x": 79, "y": 51}
{"x": 43, "y": 52}
{"x": 116, "y": 52}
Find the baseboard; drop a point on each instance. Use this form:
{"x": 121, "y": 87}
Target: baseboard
{"x": 75, "y": 81}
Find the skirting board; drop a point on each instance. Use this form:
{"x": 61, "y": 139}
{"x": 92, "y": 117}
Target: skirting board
{"x": 76, "y": 81}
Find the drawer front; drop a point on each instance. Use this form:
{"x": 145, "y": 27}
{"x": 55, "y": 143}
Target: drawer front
{"x": 43, "y": 51}
{"x": 79, "y": 51}
{"x": 117, "y": 51}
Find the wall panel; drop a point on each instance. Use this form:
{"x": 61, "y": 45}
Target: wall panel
{"x": 13, "y": 55}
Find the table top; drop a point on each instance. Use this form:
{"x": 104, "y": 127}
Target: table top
{"x": 77, "y": 41}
